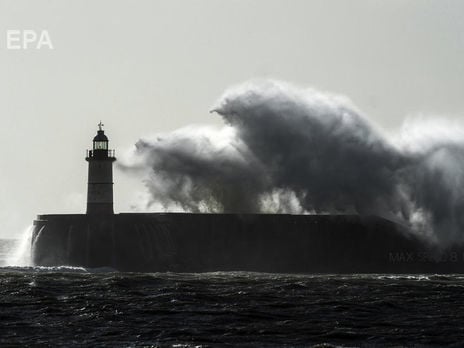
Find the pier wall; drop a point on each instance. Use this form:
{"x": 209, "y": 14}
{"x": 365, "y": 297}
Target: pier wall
{"x": 183, "y": 242}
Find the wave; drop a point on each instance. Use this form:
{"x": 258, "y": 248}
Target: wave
{"x": 56, "y": 269}
{"x": 19, "y": 253}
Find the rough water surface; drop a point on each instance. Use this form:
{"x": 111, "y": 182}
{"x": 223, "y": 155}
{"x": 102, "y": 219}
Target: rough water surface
{"x": 64, "y": 306}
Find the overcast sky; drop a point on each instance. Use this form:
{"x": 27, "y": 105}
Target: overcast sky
{"x": 149, "y": 66}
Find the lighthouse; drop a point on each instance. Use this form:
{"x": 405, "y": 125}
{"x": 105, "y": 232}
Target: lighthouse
{"x": 100, "y": 181}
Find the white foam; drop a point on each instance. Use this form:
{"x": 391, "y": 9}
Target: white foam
{"x": 20, "y": 253}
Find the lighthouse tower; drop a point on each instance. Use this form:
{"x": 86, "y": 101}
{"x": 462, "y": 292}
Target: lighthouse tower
{"x": 100, "y": 185}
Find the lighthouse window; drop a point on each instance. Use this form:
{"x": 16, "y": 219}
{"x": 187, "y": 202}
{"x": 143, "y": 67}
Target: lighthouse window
{"x": 100, "y": 145}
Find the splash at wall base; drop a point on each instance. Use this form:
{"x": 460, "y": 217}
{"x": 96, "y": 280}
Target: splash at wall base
{"x": 183, "y": 242}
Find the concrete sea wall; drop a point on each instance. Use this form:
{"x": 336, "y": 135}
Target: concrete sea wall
{"x": 181, "y": 242}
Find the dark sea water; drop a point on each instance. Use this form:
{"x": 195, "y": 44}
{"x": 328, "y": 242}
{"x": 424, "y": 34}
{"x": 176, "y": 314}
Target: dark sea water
{"x": 66, "y": 306}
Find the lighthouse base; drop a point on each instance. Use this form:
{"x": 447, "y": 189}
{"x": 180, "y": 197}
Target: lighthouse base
{"x": 182, "y": 242}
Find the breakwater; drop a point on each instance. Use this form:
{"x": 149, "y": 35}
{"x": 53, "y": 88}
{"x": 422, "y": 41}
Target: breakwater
{"x": 279, "y": 243}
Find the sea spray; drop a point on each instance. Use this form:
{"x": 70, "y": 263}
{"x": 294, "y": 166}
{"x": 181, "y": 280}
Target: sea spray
{"x": 20, "y": 253}
{"x": 288, "y": 149}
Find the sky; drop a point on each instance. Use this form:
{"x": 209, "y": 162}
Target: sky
{"x": 144, "y": 67}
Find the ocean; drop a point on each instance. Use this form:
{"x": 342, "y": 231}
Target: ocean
{"x": 69, "y": 306}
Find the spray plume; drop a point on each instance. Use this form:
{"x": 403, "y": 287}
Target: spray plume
{"x": 291, "y": 150}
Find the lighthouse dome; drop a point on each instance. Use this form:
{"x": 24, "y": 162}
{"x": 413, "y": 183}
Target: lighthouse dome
{"x": 100, "y": 136}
